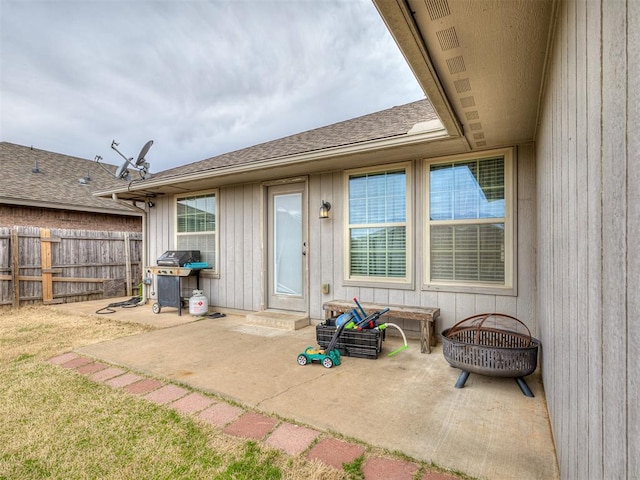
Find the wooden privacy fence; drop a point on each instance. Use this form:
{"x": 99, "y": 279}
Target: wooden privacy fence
{"x": 41, "y": 265}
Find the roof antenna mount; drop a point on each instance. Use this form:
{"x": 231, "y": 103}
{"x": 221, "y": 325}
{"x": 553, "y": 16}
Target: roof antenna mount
{"x": 140, "y": 163}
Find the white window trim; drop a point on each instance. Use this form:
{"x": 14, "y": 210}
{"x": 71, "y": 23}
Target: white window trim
{"x": 383, "y": 282}
{"x": 209, "y": 272}
{"x": 511, "y": 201}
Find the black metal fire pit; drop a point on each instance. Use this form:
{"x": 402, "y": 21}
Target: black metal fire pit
{"x": 492, "y": 344}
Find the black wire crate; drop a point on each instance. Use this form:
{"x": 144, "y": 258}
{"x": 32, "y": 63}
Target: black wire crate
{"x": 366, "y": 343}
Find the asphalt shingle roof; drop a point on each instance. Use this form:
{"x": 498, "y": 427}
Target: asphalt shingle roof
{"x": 57, "y": 184}
{"x": 388, "y": 123}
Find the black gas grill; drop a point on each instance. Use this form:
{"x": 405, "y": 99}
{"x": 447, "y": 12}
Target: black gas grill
{"x": 178, "y": 258}
{"x": 173, "y": 266}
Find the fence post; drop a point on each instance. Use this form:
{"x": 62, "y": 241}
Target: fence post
{"x": 45, "y": 263}
{"x": 15, "y": 268}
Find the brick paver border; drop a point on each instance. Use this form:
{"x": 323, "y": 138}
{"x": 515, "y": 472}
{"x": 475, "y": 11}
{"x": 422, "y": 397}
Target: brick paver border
{"x": 290, "y": 438}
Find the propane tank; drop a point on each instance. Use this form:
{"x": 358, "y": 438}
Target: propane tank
{"x": 198, "y": 303}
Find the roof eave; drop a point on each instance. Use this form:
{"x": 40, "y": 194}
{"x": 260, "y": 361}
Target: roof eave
{"x": 65, "y": 206}
{"x": 323, "y": 154}
{"x": 399, "y": 21}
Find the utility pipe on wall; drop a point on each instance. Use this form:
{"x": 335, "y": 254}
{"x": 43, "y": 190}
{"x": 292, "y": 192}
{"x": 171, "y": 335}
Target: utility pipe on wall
{"x": 132, "y": 206}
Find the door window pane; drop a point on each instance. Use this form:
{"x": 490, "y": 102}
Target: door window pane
{"x": 287, "y": 244}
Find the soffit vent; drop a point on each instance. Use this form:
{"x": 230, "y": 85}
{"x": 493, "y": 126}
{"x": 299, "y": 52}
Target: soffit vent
{"x": 437, "y": 8}
{"x": 467, "y": 102}
{"x": 472, "y": 115}
{"x": 456, "y": 65}
{"x": 462, "y": 85}
{"x": 448, "y": 38}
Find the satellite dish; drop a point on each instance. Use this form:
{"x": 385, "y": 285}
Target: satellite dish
{"x": 143, "y": 152}
{"x": 141, "y": 164}
{"x": 123, "y": 170}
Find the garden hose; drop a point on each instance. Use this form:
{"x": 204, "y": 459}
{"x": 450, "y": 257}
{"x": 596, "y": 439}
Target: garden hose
{"x": 132, "y": 302}
{"x": 405, "y": 346}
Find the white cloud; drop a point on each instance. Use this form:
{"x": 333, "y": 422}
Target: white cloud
{"x": 198, "y": 77}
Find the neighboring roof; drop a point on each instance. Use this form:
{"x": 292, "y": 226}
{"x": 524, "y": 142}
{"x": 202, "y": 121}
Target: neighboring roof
{"x": 57, "y": 182}
{"x": 396, "y": 129}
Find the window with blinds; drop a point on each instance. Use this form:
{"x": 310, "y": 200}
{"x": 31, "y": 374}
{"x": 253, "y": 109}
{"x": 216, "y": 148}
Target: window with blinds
{"x": 377, "y": 225}
{"x": 469, "y": 232}
{"x": 196, "y": 226}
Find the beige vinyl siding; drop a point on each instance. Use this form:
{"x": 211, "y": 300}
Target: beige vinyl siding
{"x": 588, "y": 232}
{"x": 241, "y": 276}
{"x": 237, "y": 284}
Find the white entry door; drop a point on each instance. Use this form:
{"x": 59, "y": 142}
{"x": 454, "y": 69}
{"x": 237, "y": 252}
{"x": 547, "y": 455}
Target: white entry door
{"x": 287, "y": 247}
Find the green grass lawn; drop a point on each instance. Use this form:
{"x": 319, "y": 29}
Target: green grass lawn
{"x": 56, "y": 424}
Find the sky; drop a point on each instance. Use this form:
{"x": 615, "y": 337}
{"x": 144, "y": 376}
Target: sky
{"x": 198, "y": 77}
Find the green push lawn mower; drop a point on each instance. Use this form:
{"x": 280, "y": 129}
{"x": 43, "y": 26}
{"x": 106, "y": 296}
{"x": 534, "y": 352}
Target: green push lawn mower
{"x": 327, "y": 357}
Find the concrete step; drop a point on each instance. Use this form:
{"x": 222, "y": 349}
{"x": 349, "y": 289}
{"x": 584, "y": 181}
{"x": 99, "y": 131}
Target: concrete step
{"x": 278, "y": 319}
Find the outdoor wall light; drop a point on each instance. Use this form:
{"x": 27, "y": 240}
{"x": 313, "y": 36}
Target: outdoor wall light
{"x": 324, "y": 209}
{"x": 151, "y": 204}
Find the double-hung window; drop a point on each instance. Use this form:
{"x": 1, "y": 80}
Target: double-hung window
{"x": 470, "y": 230}
{"x": 197, "y": 225}
{"x": 378, "y": 232}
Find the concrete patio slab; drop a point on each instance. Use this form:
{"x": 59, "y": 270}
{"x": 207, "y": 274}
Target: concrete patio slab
{"x": 405, "y": 403}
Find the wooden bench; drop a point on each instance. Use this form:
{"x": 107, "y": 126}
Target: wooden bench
{"x": 426, "y": 315}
